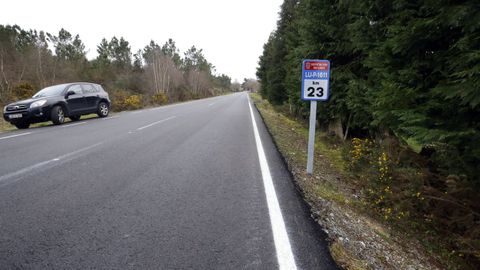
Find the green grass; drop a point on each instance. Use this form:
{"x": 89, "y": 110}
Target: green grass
{"x": 329, "y": 192}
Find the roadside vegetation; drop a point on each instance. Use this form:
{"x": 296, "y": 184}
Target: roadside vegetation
{"x": 155, "y": 75}
{"x": 355, "y": 206}
{"x": 404, "y": 112}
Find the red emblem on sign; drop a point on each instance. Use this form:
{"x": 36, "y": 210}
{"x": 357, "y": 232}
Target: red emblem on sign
{"x": 310, "y": 65}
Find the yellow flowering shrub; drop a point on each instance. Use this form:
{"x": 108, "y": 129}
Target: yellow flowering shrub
{"x": 124, "y": 100}
{"x": 160, "y": 99}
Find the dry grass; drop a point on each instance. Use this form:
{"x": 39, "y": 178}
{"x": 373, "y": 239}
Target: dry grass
{"x": 344, "y": 259}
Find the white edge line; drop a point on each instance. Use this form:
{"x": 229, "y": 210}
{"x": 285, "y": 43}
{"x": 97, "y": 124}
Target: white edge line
{"x": 16, "y": 135}
{"x": 71, "y": 125}
{"x": 154, "y": 123}
{"x": 285, "y": 256}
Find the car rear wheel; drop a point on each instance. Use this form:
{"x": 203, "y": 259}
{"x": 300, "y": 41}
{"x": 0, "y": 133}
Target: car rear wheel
{"x": 103, "y": 109}
{"x": 74, "y": 117}
{"x": 57, "y": 115}
{"x": 22, "y": 125}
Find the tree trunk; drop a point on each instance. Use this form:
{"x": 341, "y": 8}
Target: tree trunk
{"x": 40, "y": 69}
{"x": 5, "y": 89}
{"x": 155, "y": 83}
{"x": 348, "y": 127}
{"x": 335, "y": 127}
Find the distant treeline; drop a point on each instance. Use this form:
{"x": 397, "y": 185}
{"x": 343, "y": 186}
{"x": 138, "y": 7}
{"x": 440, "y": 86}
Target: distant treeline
{"x": 31, "y": 60}
{"x": 401, "y": 70}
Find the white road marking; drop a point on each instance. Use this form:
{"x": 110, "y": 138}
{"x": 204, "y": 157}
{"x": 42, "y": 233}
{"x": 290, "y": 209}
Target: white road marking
{"x": 154, "y": 123}
{"x": 17, "y": 135}
{"x": 111, "y": 117}
{"x": 282, "y": 243}
{"x": 71, "y": 125}
{"x": 135, "y": 112}
{"x": 157, "y": 108}
{"x": 41, "y": 164}
{"x": 211, "y": 104}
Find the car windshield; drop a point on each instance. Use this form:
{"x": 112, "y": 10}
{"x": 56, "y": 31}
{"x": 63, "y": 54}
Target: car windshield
{"x": 50, "y": 91}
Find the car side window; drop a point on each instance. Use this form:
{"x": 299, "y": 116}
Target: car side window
{"x": 88, "y": 88}
{"x": 75, "y": 88}
{"x": 98, "y": 88}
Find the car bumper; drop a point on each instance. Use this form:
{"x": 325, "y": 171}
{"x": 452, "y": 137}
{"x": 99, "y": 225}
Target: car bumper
{"x": 30, "y": 115}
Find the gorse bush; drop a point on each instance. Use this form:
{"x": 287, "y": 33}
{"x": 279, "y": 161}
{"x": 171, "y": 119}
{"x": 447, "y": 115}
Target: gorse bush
{"x": 411, "y": 191}
{"x": 159, "y": 99}
{"x": 124, "y": 100}
{"x": 372, "y": 164}
{"x": 23, "y": 91}
{"x": 133, "y": 102}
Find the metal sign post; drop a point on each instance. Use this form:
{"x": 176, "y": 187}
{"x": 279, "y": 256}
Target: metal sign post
{"x": 315, "y": 82}
{"x": 311, "y": 135}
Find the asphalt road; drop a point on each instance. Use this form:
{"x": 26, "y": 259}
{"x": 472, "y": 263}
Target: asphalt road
{"x": 174, "y": 187}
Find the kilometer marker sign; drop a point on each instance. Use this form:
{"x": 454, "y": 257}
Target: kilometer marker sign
{"x": 315, "y": 79}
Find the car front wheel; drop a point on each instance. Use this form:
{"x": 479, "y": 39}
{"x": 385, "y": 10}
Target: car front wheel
{"x": 103, "y": 109}
{"x": 57, "y": 115}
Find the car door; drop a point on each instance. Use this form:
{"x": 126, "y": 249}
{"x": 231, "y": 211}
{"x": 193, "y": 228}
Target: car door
{"x": 75, "y": 102}
{"x": 91, "y": 97}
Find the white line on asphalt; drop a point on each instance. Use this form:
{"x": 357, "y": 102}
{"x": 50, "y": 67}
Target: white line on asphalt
{"x": 282, "y": 243}
{"x": 71, "y": 125}
{"x": 17, "y": 135}
{"x": 157, "y": 108}
{"x": 211, "y": 104}
{"x": 41, "y": 164}
{"x": 135, "y": 112}
{"x": 111, "y": 117}
{"x": 154, "y": 123}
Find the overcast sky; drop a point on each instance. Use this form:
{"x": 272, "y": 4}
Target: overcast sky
{"x": 231, "y": 33}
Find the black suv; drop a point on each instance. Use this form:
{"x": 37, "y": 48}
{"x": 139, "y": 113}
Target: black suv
{"x": 57, "y": 102}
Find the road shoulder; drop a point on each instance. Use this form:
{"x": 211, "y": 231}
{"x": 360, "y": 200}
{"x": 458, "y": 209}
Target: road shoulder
{"x": 356, "y": 241}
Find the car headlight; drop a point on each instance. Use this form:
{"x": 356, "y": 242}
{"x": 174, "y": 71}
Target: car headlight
{"x": 38, "y": 103}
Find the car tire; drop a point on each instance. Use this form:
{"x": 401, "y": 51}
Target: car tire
{"x": 22, "y": 125}
{"x": 103, "y": 109}
{"x": 57, "y": 115}
{"x": 75, "y": 117}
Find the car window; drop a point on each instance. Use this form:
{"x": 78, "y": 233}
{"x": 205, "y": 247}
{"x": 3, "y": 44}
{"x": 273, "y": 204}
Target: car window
{"x": 76, "y": 88}
{"x": 88, "y": 88}
{"x": 98, "y": 88}
{"x": 50, "y": 91}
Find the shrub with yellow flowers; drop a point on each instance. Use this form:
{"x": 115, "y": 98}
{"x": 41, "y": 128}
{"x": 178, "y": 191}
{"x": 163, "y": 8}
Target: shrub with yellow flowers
{"x": 124, "y": 100}
{"x": 159, "y": 99}
{"x": 370, "y": 163}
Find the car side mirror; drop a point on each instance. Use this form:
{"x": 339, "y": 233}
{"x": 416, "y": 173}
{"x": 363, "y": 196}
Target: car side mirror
{"x": 69, "y": 93}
